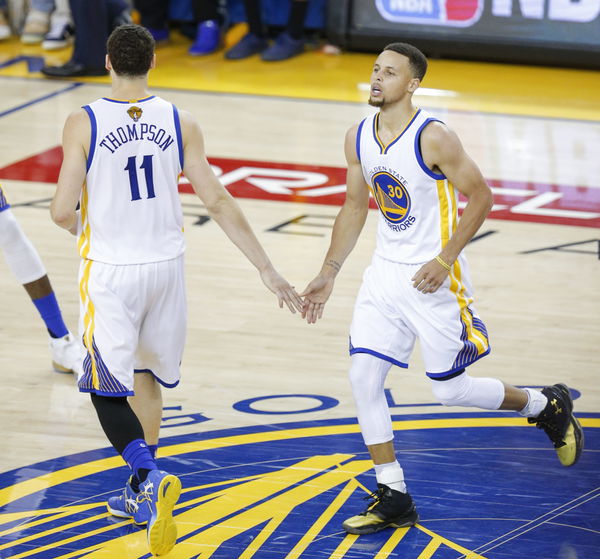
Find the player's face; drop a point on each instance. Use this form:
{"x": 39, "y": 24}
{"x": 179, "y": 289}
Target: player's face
{"x": 391, "y": 79}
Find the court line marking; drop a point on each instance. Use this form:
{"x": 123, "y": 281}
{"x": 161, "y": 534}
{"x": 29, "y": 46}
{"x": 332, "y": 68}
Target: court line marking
{"x": 41, "y": 99}
{"x": 590, "y": 120}
{"x": 539, "y": 521}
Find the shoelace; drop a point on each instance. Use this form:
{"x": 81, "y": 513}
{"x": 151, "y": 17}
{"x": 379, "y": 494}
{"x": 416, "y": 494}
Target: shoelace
{"x": 374, "y": 498}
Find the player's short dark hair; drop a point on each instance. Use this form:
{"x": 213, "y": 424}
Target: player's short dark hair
{"x": 130, "y": 48}
{"x": 416, "y": 59}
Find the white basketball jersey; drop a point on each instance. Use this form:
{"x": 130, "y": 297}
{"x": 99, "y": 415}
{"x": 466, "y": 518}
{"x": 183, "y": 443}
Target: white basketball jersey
{"x": 130, "y": 207}
{"x": 418, "y": 207}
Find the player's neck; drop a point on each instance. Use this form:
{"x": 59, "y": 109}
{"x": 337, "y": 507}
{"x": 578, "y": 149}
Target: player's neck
{"x": 396, "y": 116}
{"x": 129, "y": 88}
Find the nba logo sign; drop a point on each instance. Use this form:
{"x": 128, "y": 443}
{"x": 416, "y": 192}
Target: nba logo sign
{"x": 457, "y": 13}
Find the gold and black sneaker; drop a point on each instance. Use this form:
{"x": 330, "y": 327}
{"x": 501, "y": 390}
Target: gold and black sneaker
{"x": 387, "y": 508}
{"x": 559, "y": 423}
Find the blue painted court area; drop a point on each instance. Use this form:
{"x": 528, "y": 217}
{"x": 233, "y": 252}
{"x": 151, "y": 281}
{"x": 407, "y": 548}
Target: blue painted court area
{"x": 493, "y": 489}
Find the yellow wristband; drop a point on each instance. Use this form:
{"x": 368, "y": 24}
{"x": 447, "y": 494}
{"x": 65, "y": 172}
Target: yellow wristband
{"x": 442, "y": 263}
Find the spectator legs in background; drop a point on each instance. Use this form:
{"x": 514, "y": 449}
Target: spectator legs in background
{"x": 291, "y": 42}
{"x": 94, "y": 19}
{"x": 154, "y": 15}
{"x": 288, "y": 44}
{"x": 37, "y": 22}
{"x": 4, "y": 26}
{"x": 208, "y": 34}
{"x": 61, "y": 27}
{"x": 255, "y": 41}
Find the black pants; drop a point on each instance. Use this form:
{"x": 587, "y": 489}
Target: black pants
{"x": 155, "y": 13}
{"x": 93, "y": 21}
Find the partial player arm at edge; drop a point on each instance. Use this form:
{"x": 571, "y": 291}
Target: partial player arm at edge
{"x": 346, "y": 230}
{"x": 223, "y": 208}
{"x": 76, "y": 134}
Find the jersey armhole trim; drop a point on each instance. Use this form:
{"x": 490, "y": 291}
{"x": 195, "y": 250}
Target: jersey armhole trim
{"x": 358, "y": 132}
{"x": 178, "y": 133}
{"x": 419, "y": 155}
{"x": 90, "y": 157}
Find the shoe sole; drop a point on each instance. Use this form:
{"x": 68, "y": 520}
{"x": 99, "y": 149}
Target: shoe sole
{"x": 162, "y": 530}
{"x": 570, "y": 452}
{"x": 373, "y": 528}
{"x": 60, "y": 369}
{"x": 118, "y": 513}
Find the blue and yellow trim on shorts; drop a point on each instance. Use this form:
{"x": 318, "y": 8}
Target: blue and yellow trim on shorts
{"x": 96, "y": 375}
{"x": 474, "y": 334}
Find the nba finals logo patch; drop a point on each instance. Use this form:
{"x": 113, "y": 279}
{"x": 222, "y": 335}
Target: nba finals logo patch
{"x": 457, "y": 13}
{"x": 135, "y": 113}
{"x": 391, "y": 197}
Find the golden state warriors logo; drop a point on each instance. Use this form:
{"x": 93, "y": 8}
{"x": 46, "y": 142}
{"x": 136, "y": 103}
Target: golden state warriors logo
{"x": 135, "y": 113}
{"x": 391, "y": 197}
{"x": 283, "y": 491}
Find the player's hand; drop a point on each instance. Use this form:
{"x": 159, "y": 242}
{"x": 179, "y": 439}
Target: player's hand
{"x": 315, "y": 296}
{"x": 283, "y": 290}
{"x": 430, "y": 277}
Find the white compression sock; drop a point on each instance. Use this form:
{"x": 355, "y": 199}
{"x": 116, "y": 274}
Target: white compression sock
{"x": 536, "y": 402}
{"x": 391, "y": 475}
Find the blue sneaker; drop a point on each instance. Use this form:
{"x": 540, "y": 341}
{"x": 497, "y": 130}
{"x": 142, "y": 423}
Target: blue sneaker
{"x": 208, "y": 38}
{"x": 159, "y": 35}
{"x": 157, "y": 497}
{"x": 284, "y": 47}
{"x": 126, "y": 505}
{"x": 248, "y": 45}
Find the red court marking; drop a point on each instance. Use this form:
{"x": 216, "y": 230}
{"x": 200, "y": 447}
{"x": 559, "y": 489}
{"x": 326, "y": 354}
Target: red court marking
{"x": 287, "y": 182}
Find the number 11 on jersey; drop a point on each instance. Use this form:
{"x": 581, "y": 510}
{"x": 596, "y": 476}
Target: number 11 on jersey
{"x": 133, "y": 177}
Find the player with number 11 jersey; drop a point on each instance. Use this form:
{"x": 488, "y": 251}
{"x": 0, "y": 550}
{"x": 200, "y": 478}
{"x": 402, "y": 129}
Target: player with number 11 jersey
{"x": 133, "y": 166}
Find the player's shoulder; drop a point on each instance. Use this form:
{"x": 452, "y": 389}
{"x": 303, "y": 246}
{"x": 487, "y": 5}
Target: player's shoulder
{"x": 78, "y": 119}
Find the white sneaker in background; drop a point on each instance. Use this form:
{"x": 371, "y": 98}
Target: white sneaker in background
{"x": 4, "y": 27}
{"x": 59, "y": 36}
{"x": 36, "y": 26}
{"x": 67, "y": 354}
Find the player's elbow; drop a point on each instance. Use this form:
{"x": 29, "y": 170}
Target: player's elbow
{"x": 60, "y": 216}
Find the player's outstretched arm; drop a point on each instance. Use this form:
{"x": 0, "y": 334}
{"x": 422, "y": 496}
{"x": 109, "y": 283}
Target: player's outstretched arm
{"x": 76, "y": 137}
{"x": 223, "y": 208}
{"x": 442, "y": 150}
{"x": 346, "y": 229}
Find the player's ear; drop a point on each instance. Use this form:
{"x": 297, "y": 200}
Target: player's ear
{"x": 413, "y": 85}
{"x": 107, "y": 63}
{"x": 153, "y": 63}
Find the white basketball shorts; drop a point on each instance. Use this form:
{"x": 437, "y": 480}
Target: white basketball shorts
{"x": 132, "y": 318}
{"x": 390, "y": 314}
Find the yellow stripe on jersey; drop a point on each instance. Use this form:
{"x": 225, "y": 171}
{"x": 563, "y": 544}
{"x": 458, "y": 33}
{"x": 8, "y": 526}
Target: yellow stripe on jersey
{"x": 88, "y": 319}
{"x": 448, "y": 223}
{"x": 83, "y": 244}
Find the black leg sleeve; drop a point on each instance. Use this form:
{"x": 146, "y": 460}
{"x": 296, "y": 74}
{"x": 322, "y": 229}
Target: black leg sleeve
{"x": 119, "y": 422}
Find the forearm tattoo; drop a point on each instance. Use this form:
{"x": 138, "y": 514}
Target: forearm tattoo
{"x": 335, "y": 265}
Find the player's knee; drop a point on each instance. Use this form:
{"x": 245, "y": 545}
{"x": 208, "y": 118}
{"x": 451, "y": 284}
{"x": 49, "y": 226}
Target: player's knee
{"x": 10, "y": 232}
{"x": 453, "y": 392}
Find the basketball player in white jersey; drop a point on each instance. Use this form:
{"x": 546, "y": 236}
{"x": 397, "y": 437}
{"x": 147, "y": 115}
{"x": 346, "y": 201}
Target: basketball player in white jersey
{"x": 417, "y": 285}
{"x": 26, "y": 265}
{"x": 122, "y": 159}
